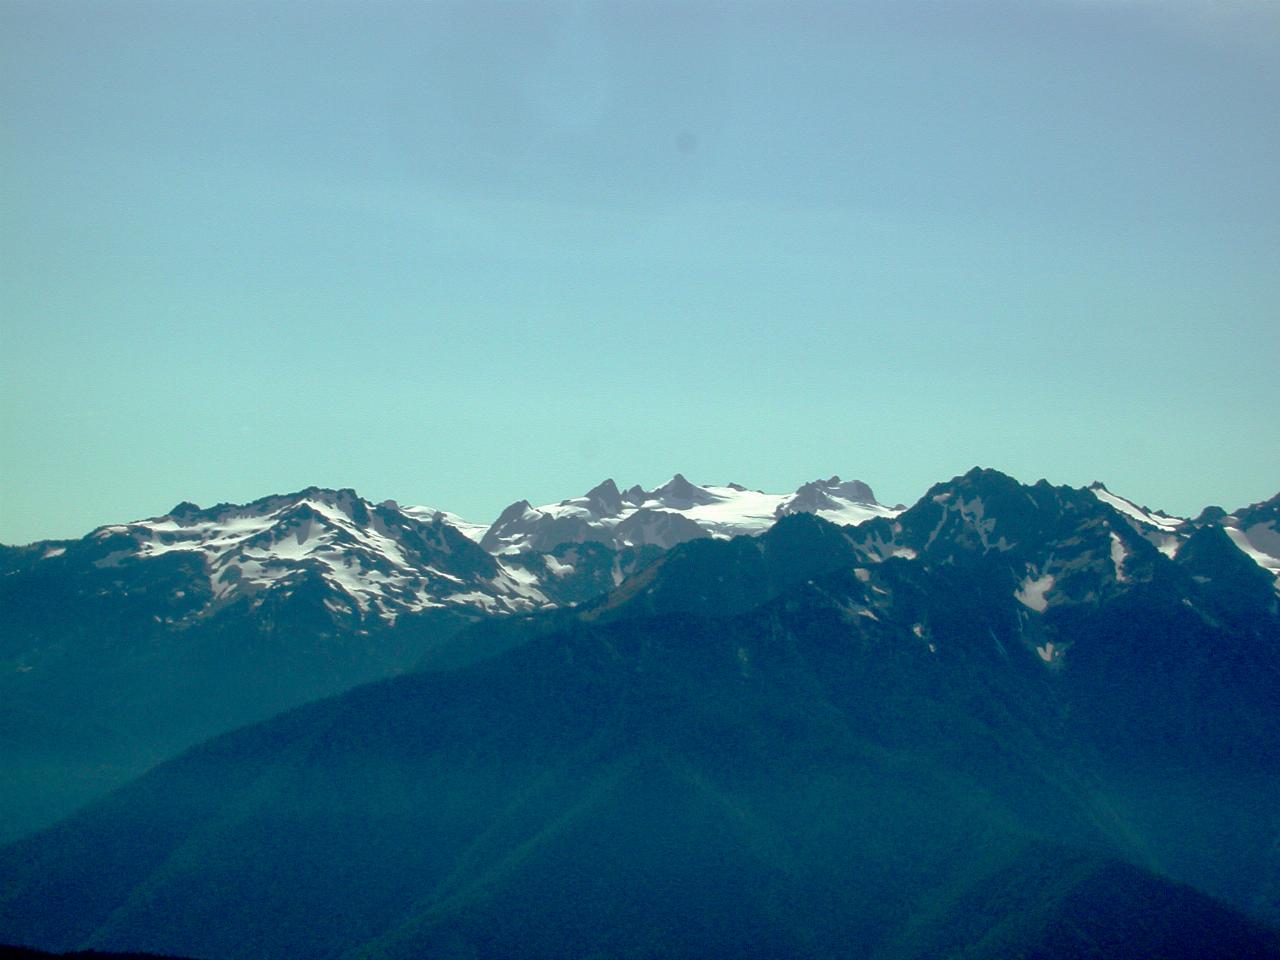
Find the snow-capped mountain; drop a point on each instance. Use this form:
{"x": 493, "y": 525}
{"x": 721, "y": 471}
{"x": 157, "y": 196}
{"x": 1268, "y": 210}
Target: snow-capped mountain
{"x": 1054, "y": 547}
{"x": 374, "y": 559}
{"x": 378, "y": 561}
{"x": 1255, "y": 529}
{"x": 215, "y": 617}
{"x": 472, "y": 531}
{"x": 1076, "y": 670}
{"x": 1061, "y": 545}
{"x": 673, "y": 513}
{"x": 1165, "y": 532}
{"x": 140, "y": 639}
{"x": 160, "y": 632}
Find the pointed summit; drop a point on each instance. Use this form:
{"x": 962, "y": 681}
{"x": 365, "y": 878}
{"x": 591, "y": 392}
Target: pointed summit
{"x": 679, "y": 492}
{"x": 512, "y": 513}
{"x": 604, "y": 500}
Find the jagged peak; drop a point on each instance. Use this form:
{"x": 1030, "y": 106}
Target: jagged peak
{"x": 325, "y": 493}
{"x": 675, "y": 484}
{"x": 854, "y": 490}
{"x": 987, "y": 474}
{"x": 1211, "y": 514}
{"x": 607, "y": 485}
{"x": 975, "y": 477}
{"x": 1262, "y": 506}
{"x": 680, "y": 490}
{"x": 604, "y": 498}
{"x": 514, "y": 512}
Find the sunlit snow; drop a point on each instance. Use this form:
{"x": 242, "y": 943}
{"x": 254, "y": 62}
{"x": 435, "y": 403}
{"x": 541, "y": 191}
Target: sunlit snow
{"x": 472, "y": 531}
{"x": 1253, "y": 541}
{"x": 255, "y": 547}
{"x": 1159, "y": 520}
{"x": 722, "y": 511}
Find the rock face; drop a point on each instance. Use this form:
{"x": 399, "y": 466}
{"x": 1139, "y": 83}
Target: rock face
{"x": 828, "y": 496}
{"x": 1012, "y": 721}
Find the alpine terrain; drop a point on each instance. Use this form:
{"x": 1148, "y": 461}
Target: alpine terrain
{"x": 124, "y": 647}
{"x": 1008, "y": 721}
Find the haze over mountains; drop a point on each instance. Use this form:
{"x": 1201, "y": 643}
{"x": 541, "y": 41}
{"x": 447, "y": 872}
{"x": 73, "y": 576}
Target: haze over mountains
{"x": 143, "y": 638}
{"x": 1026, "y": 713}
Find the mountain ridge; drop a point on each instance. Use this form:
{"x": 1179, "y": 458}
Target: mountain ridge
{"x": 215, "y": 617}
{"x": 705, "y": 766}
{"x": 395, "y": 566}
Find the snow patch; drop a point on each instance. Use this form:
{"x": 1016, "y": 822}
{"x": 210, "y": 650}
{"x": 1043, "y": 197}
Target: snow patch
{"x": 1253, "y": 541}
{"x": 556, "y": 568}
{"x": 472, "y": 531}
{"x": 1160, "y": 521}
{"x": 1031, "y": 594}
{"x": 1118, "y": 554}
{"x": 722, "y": 511}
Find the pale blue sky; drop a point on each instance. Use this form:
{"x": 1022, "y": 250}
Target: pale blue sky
{"x": 459, "y": 254}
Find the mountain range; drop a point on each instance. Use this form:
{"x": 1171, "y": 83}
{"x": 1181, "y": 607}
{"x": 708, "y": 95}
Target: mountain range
{"x": 1010, "y": 720}
{"x": 139, "y": 639}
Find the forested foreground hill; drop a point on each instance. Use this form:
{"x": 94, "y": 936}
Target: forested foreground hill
{"x": 763, "y": 787}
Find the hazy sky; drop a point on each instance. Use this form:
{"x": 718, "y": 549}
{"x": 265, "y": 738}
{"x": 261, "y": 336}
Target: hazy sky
{"x": 459, "y": 254}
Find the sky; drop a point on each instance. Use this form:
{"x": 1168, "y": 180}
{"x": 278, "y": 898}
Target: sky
{"x": 460, "y": 254}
